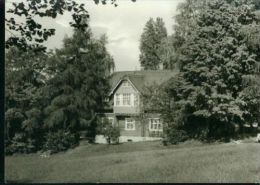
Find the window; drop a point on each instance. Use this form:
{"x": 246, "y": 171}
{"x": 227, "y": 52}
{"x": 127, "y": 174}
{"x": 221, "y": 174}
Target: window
{"x": 122, "y": 99}
{"x": 129, "y": 124}
{"x": 126, "y": 83}
{"x": 126, "y": 99}
{"x": 117, "y": 99}
{"x": 155, "y": 124}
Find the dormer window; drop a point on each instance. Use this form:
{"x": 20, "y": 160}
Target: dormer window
{"x": 126, "y": 83}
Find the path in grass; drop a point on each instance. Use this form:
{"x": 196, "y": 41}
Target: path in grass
{"x": 141, "y": 162}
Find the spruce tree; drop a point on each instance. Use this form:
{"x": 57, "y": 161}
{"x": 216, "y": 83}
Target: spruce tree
{"x": 151, "y": 39}
{"x": 80, "y": 84}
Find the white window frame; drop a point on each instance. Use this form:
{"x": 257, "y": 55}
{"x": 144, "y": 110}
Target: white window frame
{"x": 121, "y": 103}
{"x": 129, "y": 122}
{"x": 159, "y": 122}
{"x": 125, "y": 97}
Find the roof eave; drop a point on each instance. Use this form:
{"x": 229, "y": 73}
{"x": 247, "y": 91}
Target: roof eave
{"x": 112, "y": 91}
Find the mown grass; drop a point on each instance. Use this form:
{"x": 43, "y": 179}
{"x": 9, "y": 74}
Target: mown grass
{"x": 141, "y": 162}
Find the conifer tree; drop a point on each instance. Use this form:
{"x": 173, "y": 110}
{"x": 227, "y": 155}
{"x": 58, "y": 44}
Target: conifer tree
{"x": 80, "y": 83}
{"x": 151, "y": 39}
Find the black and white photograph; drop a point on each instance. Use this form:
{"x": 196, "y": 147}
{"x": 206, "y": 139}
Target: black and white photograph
{"x": 131, "y": 91}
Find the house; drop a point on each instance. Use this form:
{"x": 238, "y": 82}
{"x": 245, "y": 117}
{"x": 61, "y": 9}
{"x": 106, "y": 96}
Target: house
{"x": 125, "y": 105}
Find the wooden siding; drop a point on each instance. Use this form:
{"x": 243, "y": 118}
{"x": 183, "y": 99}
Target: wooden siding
{"x": 141, "y": 125}
{"x": 147, "y": 132}
{"x": 130, "y": 110}
{"x": 127, "y": 109}
{"x": 136, "y": 132}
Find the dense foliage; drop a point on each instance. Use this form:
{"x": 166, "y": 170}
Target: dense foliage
{"x": 175, "y": 136}
{"x": 151, "y": 40}
{"x": 23, "y": 97}
{"x": 108, "y": 130}
{"x": 59, "y": 141}
{"x": 61, "y": 98}
{"x": 215, "y": 94}
{"x": 51, "y": 96}
{"x": 167, "y": 54}
{"x": 80, "y": 84}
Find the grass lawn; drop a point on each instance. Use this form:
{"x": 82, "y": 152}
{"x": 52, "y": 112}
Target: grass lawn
{"x": 141, "y": 162}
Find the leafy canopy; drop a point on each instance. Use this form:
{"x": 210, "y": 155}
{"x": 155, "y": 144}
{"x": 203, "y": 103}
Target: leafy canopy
{"x": 217, "y": 53}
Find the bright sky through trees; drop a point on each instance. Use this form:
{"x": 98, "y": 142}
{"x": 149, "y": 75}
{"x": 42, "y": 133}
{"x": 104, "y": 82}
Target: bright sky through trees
{"x": 122, "y": 24}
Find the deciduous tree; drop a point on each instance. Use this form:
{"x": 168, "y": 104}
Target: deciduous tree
{"x": 23, "y": 98}
{"x": 216, "y": 54}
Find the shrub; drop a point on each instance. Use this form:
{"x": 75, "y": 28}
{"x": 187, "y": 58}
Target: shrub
{"x": 174, "y": 136}
{"x": 112, "y": 134}
{"x": 20, "y": 144}
{"x": 60, "y": 141}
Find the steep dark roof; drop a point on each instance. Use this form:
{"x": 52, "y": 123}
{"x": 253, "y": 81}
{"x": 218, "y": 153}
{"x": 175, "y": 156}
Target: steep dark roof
{"x": 143, "y": 78}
